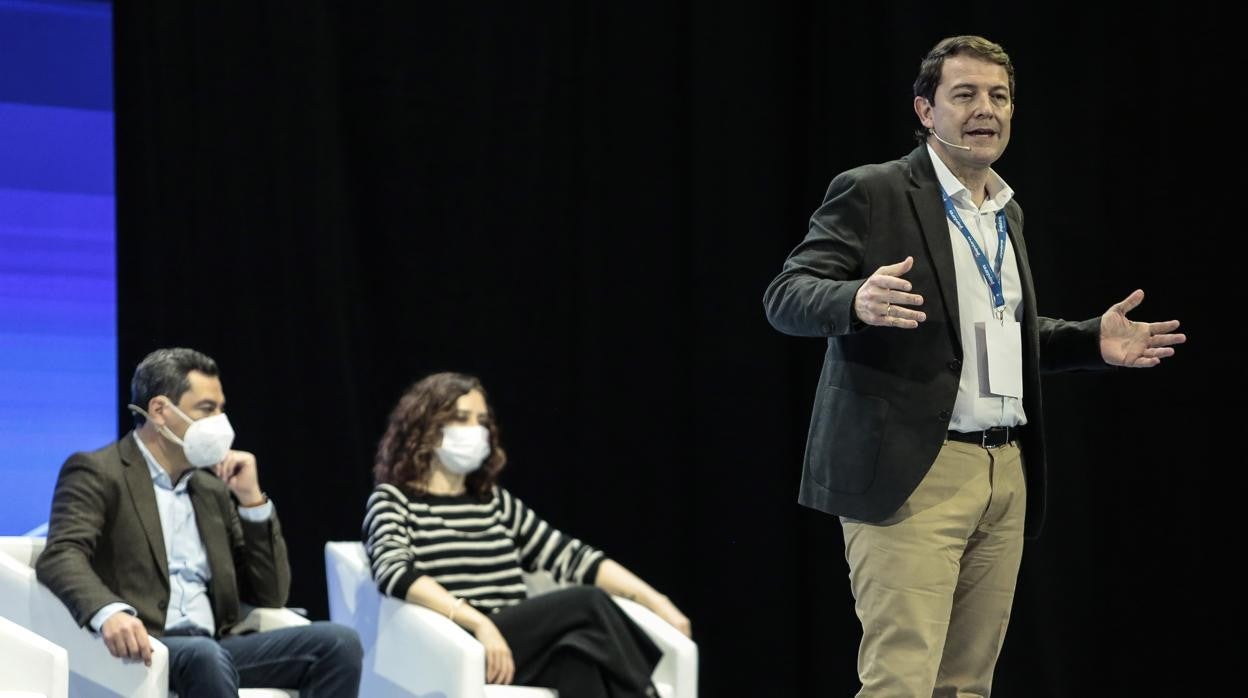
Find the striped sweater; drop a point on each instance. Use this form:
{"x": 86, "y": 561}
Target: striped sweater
{"x": 476, "y": 550}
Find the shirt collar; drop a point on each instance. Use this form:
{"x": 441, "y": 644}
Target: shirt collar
{"x": 999, "y": 193}
{"x": 160, "y": 478}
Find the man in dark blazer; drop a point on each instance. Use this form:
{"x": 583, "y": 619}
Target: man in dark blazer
{"x": 166, "y": 532}
{"x": 927, "y": 436}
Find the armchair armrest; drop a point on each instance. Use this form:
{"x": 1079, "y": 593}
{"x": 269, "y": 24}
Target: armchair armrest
{"x": 409, "y": 650}
{"x": 676, "y": 676}
{"x": 448, "y": 657}
{"x": 679, "y": 666}
{"x": 29, "y": 662}
{"x": 28, "y": 603}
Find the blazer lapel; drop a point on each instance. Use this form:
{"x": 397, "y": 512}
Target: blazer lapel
{"x": 1024, "y": 270}
{"x": 925, "y": 198}
{"x": 143, "y": 497}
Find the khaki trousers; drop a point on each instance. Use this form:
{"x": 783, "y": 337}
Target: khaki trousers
{"x": 933, "y": 584}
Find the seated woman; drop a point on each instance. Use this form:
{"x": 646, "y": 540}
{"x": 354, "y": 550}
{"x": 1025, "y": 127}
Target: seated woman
{"x": 441, "y": 533}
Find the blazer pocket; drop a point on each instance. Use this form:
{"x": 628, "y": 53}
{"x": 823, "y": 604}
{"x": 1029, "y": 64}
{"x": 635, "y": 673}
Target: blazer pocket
{"x": 846, "y": 431}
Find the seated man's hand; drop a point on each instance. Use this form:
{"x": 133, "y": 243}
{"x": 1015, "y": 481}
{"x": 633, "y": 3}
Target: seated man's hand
{"x": 125, "y": 637}
{"x": 238, "y": 471}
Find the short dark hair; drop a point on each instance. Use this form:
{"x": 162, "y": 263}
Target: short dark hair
{"x": 934, "y": 64}
{"x": 166, "y": 372}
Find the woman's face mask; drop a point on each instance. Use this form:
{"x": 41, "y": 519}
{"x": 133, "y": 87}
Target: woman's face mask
{"x": 463, "y": 448}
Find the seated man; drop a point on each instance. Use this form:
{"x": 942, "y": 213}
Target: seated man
{"x": 167, "y": 531}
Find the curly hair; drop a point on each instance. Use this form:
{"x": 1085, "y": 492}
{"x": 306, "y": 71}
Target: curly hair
{"x": 406, "y": 453}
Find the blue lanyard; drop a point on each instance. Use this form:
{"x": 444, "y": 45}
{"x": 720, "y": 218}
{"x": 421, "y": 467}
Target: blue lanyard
{"x": 991, "y": 274}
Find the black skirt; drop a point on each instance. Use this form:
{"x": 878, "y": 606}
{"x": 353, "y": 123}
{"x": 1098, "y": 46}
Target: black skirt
{"x": 579, "y": 642}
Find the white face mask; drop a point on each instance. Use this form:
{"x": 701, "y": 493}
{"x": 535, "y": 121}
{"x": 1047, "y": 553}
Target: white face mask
{"x": 463, "y": 448}
{"x": 206, "y": 441}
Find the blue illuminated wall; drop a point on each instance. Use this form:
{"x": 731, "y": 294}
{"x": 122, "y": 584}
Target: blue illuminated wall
{"x": 58, "y": 344}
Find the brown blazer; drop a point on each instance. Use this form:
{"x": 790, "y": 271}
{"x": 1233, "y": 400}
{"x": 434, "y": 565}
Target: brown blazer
{"x": 105, "y": 542}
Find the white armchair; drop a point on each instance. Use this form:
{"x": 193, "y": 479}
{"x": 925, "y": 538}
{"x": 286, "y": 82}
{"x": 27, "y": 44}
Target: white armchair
{"x": 92, "y": 670}
{"x": 412, "y": 651}
{"x": 31, "y": 665}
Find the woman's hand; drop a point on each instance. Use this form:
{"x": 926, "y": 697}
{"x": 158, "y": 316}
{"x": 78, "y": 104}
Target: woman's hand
{"x": 500, "y": 668}
{"x": 665, "y": 609}
{"x": 614, "y": 579}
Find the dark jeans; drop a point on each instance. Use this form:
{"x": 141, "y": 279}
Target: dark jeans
{"x": 321, "y": 660}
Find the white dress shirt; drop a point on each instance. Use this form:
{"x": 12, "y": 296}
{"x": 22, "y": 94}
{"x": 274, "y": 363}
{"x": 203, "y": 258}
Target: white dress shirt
{"x": 975, "y": 408}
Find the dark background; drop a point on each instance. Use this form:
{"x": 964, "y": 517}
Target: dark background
{"x": 582, "y": 205}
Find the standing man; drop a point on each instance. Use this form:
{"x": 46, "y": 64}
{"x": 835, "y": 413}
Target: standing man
{"x": 927, "y": 437}
{"x": 167, "y": 531}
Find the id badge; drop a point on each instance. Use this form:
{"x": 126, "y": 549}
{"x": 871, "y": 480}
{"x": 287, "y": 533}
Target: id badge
{"x": 1004, "y": 341}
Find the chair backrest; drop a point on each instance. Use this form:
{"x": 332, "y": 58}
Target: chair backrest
{"x": 355, "y": 602}
{"x": 24, "y": 549}
{"x": 348, "y": 575}
{"x": 538, "y": 583}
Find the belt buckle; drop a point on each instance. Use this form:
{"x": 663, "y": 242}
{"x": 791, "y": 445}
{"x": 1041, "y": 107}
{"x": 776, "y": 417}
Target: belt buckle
{"x": 983, "y": 438}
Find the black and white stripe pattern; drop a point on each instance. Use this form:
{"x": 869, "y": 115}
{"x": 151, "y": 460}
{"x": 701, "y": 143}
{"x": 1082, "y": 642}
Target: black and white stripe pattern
{"x": 477, "y": 550}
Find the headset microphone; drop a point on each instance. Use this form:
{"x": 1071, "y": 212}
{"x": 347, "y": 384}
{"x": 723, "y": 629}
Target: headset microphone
{"x": 951, "y": 145}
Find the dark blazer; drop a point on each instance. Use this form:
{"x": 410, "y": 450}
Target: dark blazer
{"x": 105, "y": 542}
{"x": 886, "y": 395}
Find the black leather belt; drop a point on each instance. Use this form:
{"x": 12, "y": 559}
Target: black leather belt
{"x": 994, "y": 437}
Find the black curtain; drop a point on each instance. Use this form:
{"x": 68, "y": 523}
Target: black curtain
{"x": 582, "y": 203}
